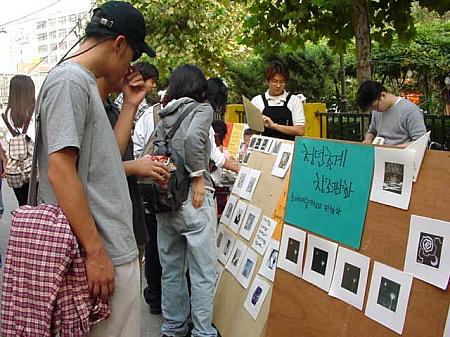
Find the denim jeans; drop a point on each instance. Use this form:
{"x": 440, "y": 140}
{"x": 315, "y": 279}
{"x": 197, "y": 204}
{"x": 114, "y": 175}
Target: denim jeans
{"x": 186, "y": 240}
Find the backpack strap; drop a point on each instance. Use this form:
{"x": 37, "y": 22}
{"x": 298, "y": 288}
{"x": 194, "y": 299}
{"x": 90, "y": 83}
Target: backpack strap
{"x": 10, "y": 128}
{"x": 177, "y": 124}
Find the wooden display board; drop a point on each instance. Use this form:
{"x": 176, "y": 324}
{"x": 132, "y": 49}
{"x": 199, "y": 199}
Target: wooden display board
{"x": 230, "y": 316}
{"x": 300, "y": 309}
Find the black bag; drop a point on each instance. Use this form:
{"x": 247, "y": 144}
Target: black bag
{"x": 171, "y": 197}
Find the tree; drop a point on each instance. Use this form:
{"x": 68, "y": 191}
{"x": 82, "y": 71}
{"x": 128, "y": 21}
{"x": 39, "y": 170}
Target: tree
{"x": 272, "y": 22}
{"x": 193, "y": 31}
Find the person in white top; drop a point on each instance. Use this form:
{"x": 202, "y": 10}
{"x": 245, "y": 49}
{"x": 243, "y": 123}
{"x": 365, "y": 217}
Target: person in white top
{"x": 282, "y": 112}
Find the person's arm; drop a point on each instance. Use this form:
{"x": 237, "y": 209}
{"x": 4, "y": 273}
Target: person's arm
{"x": 291, "y": 130}
{"x": 67, "y": 187}
{"x": 231, "y": 165}
{"x": 372, "y": 131}
{"x": 133, "y": 94}
{"x": 415, "y": 124}
{"x": 146, "y": 168}
{"x": 142, "y": 132}
{"x": 197, "y": 136}
{"x": 369, "y": 138}
{"x": 4, "y": 160}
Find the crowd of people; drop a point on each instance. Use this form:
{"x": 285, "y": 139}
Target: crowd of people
{"x": 117, "y": 212}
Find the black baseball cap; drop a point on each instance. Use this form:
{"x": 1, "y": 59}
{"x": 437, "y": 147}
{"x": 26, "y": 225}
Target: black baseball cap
{"x": 122, "y": 18}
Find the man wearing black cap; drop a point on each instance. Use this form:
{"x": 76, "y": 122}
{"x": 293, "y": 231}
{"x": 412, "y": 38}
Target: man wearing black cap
{"x": 97, "y": 205}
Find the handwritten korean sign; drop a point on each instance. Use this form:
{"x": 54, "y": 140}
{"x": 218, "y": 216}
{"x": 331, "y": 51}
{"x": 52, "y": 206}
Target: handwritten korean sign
{"x": 329, "y": 188}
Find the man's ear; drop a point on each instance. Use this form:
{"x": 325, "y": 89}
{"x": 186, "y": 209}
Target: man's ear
{"x": 119, "y": 43}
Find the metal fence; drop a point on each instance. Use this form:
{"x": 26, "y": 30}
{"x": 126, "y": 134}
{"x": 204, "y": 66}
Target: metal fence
{"x": 353, "y": 126}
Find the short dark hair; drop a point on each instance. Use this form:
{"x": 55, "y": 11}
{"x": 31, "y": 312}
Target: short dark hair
{"x": 187, "y": 81}
{"x": 147, "y": 70}
{"x": 276, "y": 67}
{"x": 98, "y": 32}
{"x": 248, "y": 132}
{"x": 369, "y": 92}
{"x": 217, "y": 94}
{"x": 220, "y": 129}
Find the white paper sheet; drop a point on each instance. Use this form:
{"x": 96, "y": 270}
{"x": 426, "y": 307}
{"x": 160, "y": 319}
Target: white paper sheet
{"x": 226, "y": 247}
{"x": 388, "y": 296}
{"x": 250, "y": 184}
{"x": 252, "y": 142}
{"x": 246, "y": 157}
{"x": 256, "y": 296}
{"x": 319, "y": 264}
{"x": 291, "y": 250}
{"x": 276, "y": 147}
{"x": 236, "y": 257}
{"x": 219, "y": 273}
{"x": 250, "y": 221}
{"x": 392, "y": 177}
{"x": 269, "y": 146}
{"x": 419, "y": 146}
{"x": 247, "y": 268}
{"x": 258, "y": 143}
{"x": 238, "y": 216}
{"x": 228, "y": 210}
{"x": 447, "y": 325}
{"x": 264, "y": 144}
{"x": 220, "y": 235}
{"x": 428, "y": 252}
{"x": 269, "y": 263}
{"x": 264, "y": 234}
{"x": 240, "y": 180}
{"x": 350, "y": 277}
{"x": 284, "y": 160}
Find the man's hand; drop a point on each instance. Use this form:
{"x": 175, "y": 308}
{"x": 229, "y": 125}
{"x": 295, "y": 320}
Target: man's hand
{"x": 146, "y": 168}
{"x": 133, "y": 89}
{"x": 4, "y": 163}
{"x": 268, "y": 122}
{"x": 198, "y": 191}
{"x": 100, "y": 273}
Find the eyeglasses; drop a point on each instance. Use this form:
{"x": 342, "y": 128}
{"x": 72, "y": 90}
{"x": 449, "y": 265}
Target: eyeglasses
{"x": 136, "y": 52}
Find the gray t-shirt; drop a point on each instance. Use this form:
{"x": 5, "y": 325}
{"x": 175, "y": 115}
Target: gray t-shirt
{"x": 402, "y": 123}
{"x": 70, "y": 98}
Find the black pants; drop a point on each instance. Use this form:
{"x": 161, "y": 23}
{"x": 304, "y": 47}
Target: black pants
{"x": 22, "y": 194}
{"x": 153, "y": 270}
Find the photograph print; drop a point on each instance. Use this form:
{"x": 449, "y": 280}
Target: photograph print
{"x": 237, "y": 256}
{"x": 256, "y": 296}
{"x": 293, "y": 249}
{"x": 276, "y": 147}
{"x": 257, "y": 144}
{"x": 350, "y": 278}
{"x": 393, "y": 177}
{"x": 264, "y": 144}
{"x": 238, "y": 215}
{"x": 428, "y": 250}
{"x": 269, "y": 264}
{"x": 388, "y": 294}
{"x": 252, "y": 142}
{"x": 250, "y": 184}
{"x": 284, "y": 160}
{"x": 226, "y": 247}
{"x": 246, "y": 157}
{"x": 250, "y": 220}
{"x": 319, "y": 262}
{"x": 247, "y": 268}
{"x": 229, "y": 209}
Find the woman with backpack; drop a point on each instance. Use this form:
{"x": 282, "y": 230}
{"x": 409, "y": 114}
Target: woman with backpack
{"x": 186, "y": 233}
{"x": 17, "y": 118}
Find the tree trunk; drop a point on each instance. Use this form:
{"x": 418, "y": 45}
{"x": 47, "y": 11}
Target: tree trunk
{"x": 343, "y": 102}
{"x": 362, "y": 38}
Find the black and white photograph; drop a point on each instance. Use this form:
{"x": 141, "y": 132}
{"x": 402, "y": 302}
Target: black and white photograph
{"x": 264, "y": 144}
{"x": 236, "y": 257}
{"x": 269, "y": 264}
{"x": 247, "y": 268}
{"x": 246, "y": 157}
{"x": 250, "y": 184}
{"x": 257, "y": 144}
{"x": 256, "y": 296}
{"x": 250, "y": 221}
{"x": 293, "y": 249}
{"x": 393, "y": 177}
{"x": 269, "y": 146}
{"x": 319, "y": 262}
{"x": 388, "y": 298}
{"x": 239, "y": 183}
{"x": 226, "y": 247}
{"x": 238, "y": 216}
{"x": 428, "y": 250}
{"x": 388, "y": 294}
{"x": 350, "y": 278}
{"x": 276, "y": 147}
{"x": 229, "y": 209}
{"x": 219, "y": 239}
{"x": 284, "y": 160}
{"x": 252, "y": 142}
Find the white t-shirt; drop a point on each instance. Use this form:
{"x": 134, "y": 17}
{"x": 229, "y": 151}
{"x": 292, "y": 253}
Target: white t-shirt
{"x": 217, "y": 156}
{"x": 294, "y": 104}
{"x": 142, "y": 131}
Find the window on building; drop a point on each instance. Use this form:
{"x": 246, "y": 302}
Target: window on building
{"x": 42, "y": 37}
{"x": 73, "y": 18}
{"x": 62, "y": 33}
{"x": 63, "y": 45}
{"x": 41, "y": 24}
{"x": 52, "y": 34}
{"x": 53, "y": 59}
{"x": 52, "y": 22}
{"x": 62, "y": 20}
{"x": 44, "y": 60}
{"x": 53, "y": 47}
{"x": 42, "y": 49}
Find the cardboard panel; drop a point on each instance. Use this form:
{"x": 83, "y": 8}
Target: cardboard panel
{"x": 301, "y": 309}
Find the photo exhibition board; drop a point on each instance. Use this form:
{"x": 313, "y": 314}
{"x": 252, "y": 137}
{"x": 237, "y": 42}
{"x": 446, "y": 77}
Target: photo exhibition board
{"x": 384, "y": 240}
{"x": 329, "y": 192}
{"x": 230, "y": 315}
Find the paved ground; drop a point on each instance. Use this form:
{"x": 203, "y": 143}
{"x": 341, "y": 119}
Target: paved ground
{"x": 150, "y": 324}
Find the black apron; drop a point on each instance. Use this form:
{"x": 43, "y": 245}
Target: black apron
{"x": 279, "y": 115}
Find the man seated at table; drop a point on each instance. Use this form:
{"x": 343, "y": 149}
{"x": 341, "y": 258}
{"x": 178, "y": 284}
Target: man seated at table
{"x": 395, "y": 120}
